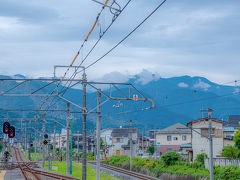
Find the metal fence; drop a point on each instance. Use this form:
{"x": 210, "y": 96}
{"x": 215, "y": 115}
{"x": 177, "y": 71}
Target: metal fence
{"x": 222, "y": 162}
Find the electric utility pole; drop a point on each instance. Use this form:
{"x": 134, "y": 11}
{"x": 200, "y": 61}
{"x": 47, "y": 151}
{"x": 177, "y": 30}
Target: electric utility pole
{"x": 43, "y": 152}
{"x": 98, "y": 132}
{"x": 35, "y": 144}
{"x": 54, "y": 141}
{"x": 130, "y": 139}
{"x": 84, "y": 118}
{"x": 68, "y": 139}
{"x": 210, "y": 144}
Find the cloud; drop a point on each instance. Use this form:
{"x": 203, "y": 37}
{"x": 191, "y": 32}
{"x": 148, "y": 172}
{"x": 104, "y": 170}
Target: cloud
{"x": 27, "y": 11}
{"x": 183, "y": 85}
{"x": 146, "y": 76}
{"x": 202, "y": 85}
{"x": 179, "y": 39}
{"x": 114, "y": 77}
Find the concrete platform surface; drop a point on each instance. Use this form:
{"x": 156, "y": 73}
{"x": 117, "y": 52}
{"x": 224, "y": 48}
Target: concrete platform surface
{"x": 13, "y": 175}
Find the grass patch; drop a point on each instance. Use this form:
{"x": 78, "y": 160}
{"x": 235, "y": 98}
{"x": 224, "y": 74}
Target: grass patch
{"x": 77, "y": 171}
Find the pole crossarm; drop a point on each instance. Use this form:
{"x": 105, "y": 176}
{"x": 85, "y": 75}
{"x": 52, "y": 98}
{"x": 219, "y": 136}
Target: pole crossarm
{"x": 74, "y": 104}
{"x": 126, "y": 96}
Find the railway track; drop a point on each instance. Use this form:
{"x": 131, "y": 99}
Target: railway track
{"x": 124, "y": 171}
{"x": 30, "y": 173}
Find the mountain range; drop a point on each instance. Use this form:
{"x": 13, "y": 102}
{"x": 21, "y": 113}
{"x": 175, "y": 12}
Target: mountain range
{"x": 177, "y": 99}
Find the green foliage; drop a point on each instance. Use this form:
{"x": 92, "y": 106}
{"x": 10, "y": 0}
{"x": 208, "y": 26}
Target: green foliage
{"x": 200, "y": 158}
{"x": 237, "y": 139}
{"x": 170, "y": 158}
{"x": 119, "y": 160}
{"x": 1, "y": 146}
{"x": 231, "y": 152}
{"x": 227, "y": 172}
{"x": 90, "y": 156}
{"x": 150, "y": 149}
{"x": 156, "y": 167}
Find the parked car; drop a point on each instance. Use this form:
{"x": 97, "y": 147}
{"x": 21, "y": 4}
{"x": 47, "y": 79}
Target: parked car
{"x": 145, "y": 155}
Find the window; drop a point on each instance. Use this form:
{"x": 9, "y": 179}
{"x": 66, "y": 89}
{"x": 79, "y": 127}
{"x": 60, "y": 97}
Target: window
{"x": 184, "y": 137}
{"x": 169, "y": 138}
{"x": 175, "y": 138}
{"x": 169, "y": 149}
{"x": 204, "y": 132}
{"x": 217, "y": 133}
{"x": 120, "y": 140}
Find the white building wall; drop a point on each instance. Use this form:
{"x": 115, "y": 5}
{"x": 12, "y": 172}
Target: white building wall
{"x": 161, "y": 139}
{"x": 200, "y": 144}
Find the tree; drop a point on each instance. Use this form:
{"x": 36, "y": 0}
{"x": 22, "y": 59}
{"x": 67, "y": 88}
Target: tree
{"x": 170, "y": 157}
{"x": 237, "y": 139}
{"x": 150, "y": 149}
{"x": 230, "y": 151}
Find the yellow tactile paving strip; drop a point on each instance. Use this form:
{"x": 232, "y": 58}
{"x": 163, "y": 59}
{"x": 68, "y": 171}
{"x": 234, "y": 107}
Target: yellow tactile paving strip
{"x": 2, "y": 174}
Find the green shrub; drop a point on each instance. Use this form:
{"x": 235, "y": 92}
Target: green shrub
{"x": 229, "y": 173}
{"x": 90, "y": 157}
{"x": 170, "y": 158}
{"x": 150, "y": 149}
{"x": 230, "y": 151}
{"x": 200, "y": 158}
{"x": 119, "y": 160}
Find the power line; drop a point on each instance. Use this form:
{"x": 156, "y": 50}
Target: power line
{"x": 95, "y": 22}
{"x": 123, "y": 38}
{"x": 101, "y": 36}
{"x": 75, "y": 73}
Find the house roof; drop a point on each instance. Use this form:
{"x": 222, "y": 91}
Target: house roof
{"x": 123, "y": 132}
{"x": 175, "y": 129}
{"x": 234, "y": 120}
{"x": 206, "y": 119}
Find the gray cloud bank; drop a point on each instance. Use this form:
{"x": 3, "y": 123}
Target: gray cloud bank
{"x": 183, "y": 37}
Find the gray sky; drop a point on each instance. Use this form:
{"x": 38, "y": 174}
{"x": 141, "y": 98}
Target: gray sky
{"x": 187, "y": 37}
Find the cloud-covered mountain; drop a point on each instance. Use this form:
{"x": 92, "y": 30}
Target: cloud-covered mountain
{"x": 177, "y": 99}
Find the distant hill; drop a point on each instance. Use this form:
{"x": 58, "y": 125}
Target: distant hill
{"x": 177, "y": 99}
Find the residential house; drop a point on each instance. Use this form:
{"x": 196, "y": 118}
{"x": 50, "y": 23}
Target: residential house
{"x": 230, "y": 129}
{"x": 121, "y": 141}
{"x": 172, "y": 137}
{"x": 200, "y": 144}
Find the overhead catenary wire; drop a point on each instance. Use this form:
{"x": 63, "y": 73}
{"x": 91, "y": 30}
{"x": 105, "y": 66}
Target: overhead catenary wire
{"x": 90, "y": 51}
{"x": 74, "y": 59}
{"x": 75, "y": 73}
{"x": 144, "y": 20}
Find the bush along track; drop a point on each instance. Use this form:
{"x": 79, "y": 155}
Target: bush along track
{"x": 172, "y": 166}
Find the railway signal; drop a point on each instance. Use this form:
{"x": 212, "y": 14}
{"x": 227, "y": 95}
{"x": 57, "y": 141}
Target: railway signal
{"x": 45, "y": 136}
{"x": 45, "y": 142}
{"x": 11, "y": 132}
{"x": 6, "y": 126}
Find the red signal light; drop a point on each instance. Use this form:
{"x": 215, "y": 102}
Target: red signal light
{"x": 11, "y": 134}
{"x": 6, "y": 130}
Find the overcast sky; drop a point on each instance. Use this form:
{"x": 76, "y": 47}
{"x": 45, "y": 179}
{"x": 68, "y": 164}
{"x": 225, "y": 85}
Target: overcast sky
{"x": 184, "y": 37}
